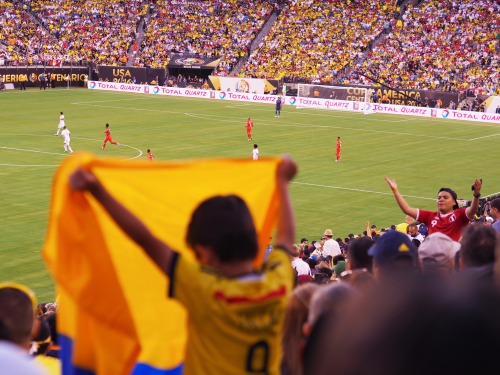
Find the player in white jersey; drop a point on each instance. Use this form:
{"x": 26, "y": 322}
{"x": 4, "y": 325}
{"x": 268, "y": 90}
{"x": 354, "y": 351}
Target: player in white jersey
{"x": 65, "y": 134}
{"x": 255, "y": 152}
{"x": 61, "y": 124}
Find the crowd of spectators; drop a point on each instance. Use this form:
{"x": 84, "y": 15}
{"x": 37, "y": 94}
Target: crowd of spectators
{"x": 438, "y": 45}
{"x": 91, "y": 30}
{"x": 212, "y": 28}
{"x": 22, "y": 37}
{"x": 69, "y": 32}
{"x": 311, "y": 39}
{"x": 390, "y": 264}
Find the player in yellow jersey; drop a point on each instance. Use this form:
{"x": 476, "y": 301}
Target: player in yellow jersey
{"x": 235, "y": 312}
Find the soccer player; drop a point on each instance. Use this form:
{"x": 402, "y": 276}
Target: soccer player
{"x": 150, "y": 155}
{"x": 61, "y": 124}
{"x": 249, "y": 127}
{"x": 109, "y": 138}
{"x": 337, "y": 150}
{"x": 66, "y": 136}
{"x": 255, "y": 152}
{"x": 278, "y": 107}
{"x": 236, "y": 312}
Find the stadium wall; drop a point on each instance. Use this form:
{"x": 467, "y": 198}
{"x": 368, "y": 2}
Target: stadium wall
{"x": 30, "y": 75}
{"x": 315, "y": 103}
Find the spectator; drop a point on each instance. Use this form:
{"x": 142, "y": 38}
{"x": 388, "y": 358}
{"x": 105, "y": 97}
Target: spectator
{"x": 330, "y": 246}
{"x": 214, "y": 225}
{"x": 429, "y": 317}
{"x": 495, "y": 213}
{"x": 357, "y": 254}
{"x": 437, "y": 254}
{"x": 17, "y": 322}
{"x": 449, "y": 219}
{"x": 394, "y": 255}
{"x": 300, "y": 267}
{"x": 293, "y": 340}
{"x": 477, "y": 254}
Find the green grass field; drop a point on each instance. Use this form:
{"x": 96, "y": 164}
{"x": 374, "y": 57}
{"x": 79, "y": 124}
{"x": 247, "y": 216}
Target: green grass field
{"x": 421, "y": 154}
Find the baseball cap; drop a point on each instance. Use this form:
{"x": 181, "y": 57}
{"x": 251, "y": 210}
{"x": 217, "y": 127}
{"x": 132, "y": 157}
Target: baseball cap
{"x": 438, "y": 248}
{"x": 392, "y": 246}
{"x": 423, "y": 230}
{"x": 339, "y": 268}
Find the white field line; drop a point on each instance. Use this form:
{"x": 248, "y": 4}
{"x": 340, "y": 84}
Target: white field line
{"x": 139, "y": 154}
{"x": 358, "y": 190}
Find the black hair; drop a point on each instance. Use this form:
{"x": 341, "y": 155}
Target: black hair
{"x": 225, "y": 224}
{"x": 16, "y": 315}
{"x": 453, "y": 194}
{"x": 338, "y": 258}
{"x": 478, "y": 245}
{"x": 358, "y": 253}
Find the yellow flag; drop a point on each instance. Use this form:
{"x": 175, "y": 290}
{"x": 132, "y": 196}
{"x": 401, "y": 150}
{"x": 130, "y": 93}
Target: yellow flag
{"x": 114, "y": 315}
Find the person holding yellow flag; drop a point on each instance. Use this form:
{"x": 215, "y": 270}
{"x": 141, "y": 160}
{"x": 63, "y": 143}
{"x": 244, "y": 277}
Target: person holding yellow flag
{"x": 236, "y": 312}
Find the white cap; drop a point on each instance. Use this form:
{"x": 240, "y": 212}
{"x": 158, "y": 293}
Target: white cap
{"x": 438, "y": 247}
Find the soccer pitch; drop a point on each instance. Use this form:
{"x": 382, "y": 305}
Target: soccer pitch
{"x": 422, "y": 154}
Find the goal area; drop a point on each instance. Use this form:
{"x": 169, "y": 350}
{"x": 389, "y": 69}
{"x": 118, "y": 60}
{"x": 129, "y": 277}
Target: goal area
{"x": 312, "y": 91}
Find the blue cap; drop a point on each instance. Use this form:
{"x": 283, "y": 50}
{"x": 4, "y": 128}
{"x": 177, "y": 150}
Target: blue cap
{"x": 391, "y": 246}
{"x": 423, "y": 230}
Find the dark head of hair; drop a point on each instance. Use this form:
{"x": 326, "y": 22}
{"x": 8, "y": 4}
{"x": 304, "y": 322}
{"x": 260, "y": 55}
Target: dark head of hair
{"x": 255, "y": 145}
{"x": 16, "y": 316}
{"x": 312, "y": 263}
{"x": 107, "y": 125}
{"x": 416, "y": 242}
{"x": 149, "y": 150}
{"x": 495, "y": 203}
{"x": 413, "y": 225}
{"x": 61, "y": 113}
{"x": 453, "y": 194}
{"x": 51, "y": 320}
{"x": 321, "y": 278}
{"x": 42, "y": 337}
{"x": 338, "y": 258}
{"x": 326, "y": 270}
{"x": 223, "y": 223}
{"x": 478, "y": 245}
{"x": 358, "y": 253}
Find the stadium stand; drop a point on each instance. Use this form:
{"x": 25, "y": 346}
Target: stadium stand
{"x": 313, "y": 40}
{"x": 439, "y": 45}
{"x": 195, "y": 27}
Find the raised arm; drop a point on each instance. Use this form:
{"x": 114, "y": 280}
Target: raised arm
{"x": 157, "y": 250}
{"x": 472, "y": 209}
{"x": 405, "y": 207}
{"x": 285, "y": 233}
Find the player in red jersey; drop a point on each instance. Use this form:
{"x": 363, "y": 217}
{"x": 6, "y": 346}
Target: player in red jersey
{"x": 108, "y": 138}
{"x": 150, "y": 155}
{"x": 448, "y": 219}
{"x": 337, "y": 150}
{"x": 249, "y": 127}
